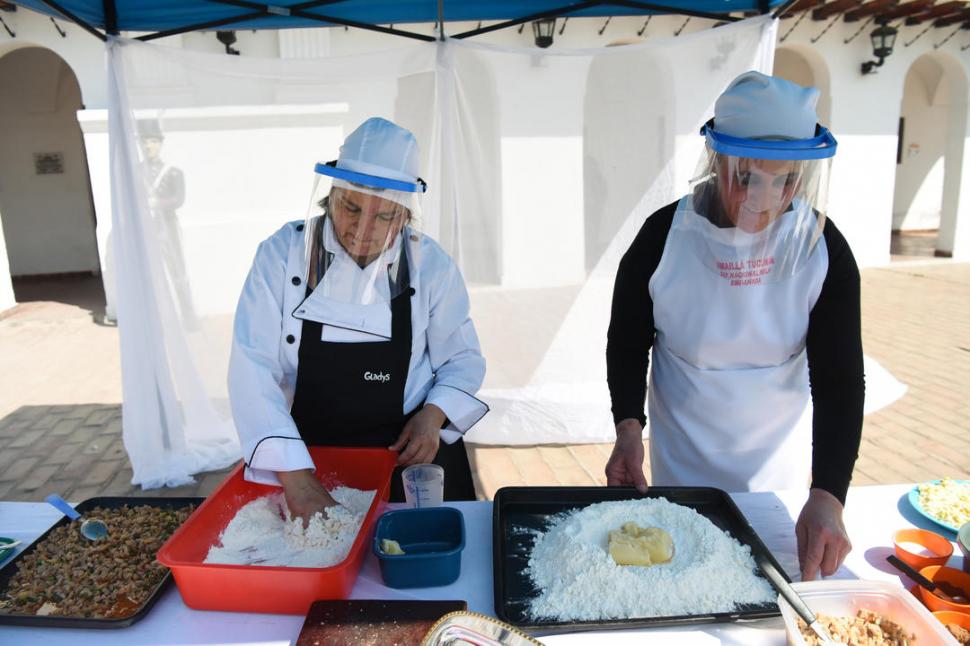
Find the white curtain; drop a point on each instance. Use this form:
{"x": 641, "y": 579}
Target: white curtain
{"x": 541, "y": 165}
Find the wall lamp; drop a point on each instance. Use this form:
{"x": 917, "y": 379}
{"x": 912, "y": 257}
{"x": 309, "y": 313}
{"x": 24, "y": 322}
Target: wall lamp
{"x": 543, "y": 30}
{"x": 227, "y": 38}
{"x": 883, "y": 39}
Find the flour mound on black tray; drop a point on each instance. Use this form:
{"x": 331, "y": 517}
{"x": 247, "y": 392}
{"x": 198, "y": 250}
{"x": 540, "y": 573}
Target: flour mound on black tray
{"x": 578, "y": 580}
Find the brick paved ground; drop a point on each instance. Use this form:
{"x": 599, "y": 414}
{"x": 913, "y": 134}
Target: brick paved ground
{"x": 56, "y": 358}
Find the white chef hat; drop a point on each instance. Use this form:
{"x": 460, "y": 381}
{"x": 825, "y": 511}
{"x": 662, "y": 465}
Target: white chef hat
{"x": 756, "y": 106}
{"x": 381, "y": 148}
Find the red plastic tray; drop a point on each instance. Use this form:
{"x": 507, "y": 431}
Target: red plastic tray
{"x": 272, "y": 589}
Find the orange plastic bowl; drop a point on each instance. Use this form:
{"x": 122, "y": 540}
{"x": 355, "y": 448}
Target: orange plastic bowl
{"x": 955, "y": 578}
{"x": 961, "y": 619}
{"x": 933, "y": 542}
{"x": 280, "y": 590}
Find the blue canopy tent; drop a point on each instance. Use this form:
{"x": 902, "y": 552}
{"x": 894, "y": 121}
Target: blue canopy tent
{"x": 170, "y": 17}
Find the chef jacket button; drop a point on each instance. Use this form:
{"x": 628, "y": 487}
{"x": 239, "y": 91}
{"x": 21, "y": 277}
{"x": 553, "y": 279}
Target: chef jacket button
{"x": 299, "y": 227}
{"x": 410, "y": 291}
{"x": 295, "y": 280}
{"x": 290, "y": 339}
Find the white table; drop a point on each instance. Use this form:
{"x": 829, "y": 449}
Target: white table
{"x": 873, "y": 514}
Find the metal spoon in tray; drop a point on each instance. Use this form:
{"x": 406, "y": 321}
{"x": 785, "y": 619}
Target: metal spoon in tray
{"x": 779, "y": 583}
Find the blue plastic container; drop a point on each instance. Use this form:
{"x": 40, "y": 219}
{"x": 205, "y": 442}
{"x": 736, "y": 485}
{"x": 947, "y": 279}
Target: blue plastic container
{"x": 432, "y": 539}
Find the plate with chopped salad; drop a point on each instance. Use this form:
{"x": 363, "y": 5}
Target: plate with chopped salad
{"x": 946, "y": 502}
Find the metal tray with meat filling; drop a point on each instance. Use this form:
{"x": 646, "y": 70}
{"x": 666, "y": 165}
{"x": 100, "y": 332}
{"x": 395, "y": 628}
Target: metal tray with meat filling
{"x": 64, "y": 580}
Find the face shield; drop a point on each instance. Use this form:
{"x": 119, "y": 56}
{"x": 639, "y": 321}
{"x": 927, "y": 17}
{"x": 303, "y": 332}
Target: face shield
{"x": 756, "y": 208}
{"x": 355, "y": 235}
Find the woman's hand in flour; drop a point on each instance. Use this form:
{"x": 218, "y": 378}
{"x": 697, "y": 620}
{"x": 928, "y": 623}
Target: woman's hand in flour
{"x": 418, "y": 441}
{"x": 822, "y": 540}
{"x": 305, "y": 495}
{"x": 625, "y": 467}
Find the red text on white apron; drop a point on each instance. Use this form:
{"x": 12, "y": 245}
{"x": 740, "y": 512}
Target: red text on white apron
{"x": 745, "y": 272}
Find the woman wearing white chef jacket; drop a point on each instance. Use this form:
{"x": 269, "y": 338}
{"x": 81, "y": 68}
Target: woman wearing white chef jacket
{"x": 353, "y": 329}
{"x": 749, "y": 297}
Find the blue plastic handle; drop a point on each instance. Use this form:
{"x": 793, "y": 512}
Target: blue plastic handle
{"x": 62, "y": 506}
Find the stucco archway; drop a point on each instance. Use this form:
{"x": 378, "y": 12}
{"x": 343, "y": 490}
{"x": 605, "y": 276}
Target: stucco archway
{"x": 805, "y": 66}
{"x": 933, "y": 131}
{"x": 45, "y": 191}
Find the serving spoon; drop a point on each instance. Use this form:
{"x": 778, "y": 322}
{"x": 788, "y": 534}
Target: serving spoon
{"x": 91, "y": 529}
{"x": 942, "y": 589}
{"x": 779, "y": 583}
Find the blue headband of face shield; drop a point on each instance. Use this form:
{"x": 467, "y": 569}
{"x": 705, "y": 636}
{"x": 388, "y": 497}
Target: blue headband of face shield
{"x": 821, "y": 146}
{"x": 330, "y": 170}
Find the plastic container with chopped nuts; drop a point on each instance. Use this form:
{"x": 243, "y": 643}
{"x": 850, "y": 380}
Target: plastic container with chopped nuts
{"x": 845, "y": 598}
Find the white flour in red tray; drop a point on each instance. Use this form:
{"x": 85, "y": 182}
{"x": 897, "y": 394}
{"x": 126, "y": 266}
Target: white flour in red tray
{"x": 578, "y": 580}
{"x": 262, "y": 532}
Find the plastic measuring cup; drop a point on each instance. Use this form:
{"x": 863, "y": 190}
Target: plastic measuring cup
{"x": 424, "y": 485}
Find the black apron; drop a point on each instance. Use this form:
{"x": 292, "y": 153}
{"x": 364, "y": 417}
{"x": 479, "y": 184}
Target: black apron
{"x": 352, "y": 394}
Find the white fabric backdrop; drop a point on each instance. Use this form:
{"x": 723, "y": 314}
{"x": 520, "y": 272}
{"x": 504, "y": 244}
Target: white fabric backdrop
{"x": 541, "y": 167}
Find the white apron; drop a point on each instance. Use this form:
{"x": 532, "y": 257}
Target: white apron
{"x": 729, "y": 391}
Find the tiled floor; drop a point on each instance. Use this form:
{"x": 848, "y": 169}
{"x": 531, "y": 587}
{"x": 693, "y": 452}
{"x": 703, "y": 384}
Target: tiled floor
{"x": 57, "y": 358}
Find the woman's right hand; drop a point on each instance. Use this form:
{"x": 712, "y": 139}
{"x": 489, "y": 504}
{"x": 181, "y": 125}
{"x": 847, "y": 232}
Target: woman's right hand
{"x": 625, "y": 466}
{"x": 305, "y": 495}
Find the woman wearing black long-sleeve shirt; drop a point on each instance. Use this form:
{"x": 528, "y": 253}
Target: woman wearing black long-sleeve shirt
{"x": 749, "y": 298}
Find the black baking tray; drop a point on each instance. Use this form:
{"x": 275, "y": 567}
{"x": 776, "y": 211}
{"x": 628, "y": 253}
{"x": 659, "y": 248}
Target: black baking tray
{"x": 529, "y": 508}
{"x": 107, "y": 502}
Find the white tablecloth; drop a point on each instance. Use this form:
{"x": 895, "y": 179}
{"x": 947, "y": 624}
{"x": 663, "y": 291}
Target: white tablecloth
{"x": 872, "y": 515}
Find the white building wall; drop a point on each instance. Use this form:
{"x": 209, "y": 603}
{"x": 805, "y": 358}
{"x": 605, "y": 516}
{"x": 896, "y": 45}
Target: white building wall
{"x": 48, "y": 220}
{"x": 83, "y": 52}
{"x": 541, "y": 212}
{"x": 865, "y": 120}
{"x": 918, "y": 192}
{"x": 954, "y": 236}
{"x": 197, "y": 142}
{"x": 864, "y": 110}
{"x": 7, "y": 299}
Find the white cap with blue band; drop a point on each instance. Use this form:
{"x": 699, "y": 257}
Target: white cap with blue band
{"x": 765, "y": 117}
{"x": 362, "y": 205}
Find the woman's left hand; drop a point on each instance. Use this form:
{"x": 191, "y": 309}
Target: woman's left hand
{"x": 822, "y": 540}
{"x": 418, "y": 442}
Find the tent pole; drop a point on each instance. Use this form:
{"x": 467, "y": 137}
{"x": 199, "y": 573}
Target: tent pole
{"x": 554, "y": 13}
{"x": 110, "y": 17}
{"x": 441, "y": 19}
{"x": 77, "y": 21}
{"x": 262, "y": 11}
{"x": 785, "y": 6}
{"x": 275, "y": 10}
{"x": 298, "y": 11}
{"x": 363, "y": 25}
{"x": 203, "y": 25}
